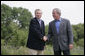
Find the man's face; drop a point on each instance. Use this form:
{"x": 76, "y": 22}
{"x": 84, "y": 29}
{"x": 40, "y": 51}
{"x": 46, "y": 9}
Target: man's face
{"x": 55, "y": 14}
{"x": 38, "y": 14}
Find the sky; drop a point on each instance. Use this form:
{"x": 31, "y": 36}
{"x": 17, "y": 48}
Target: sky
{"x": 71, "y": 10}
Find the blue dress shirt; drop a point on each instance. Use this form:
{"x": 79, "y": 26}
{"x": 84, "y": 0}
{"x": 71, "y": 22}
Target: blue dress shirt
{"x": 57, "y": 24}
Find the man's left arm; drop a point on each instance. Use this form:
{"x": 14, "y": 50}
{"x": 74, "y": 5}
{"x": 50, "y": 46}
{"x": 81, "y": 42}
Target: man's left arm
{"x": 70, "y": 34}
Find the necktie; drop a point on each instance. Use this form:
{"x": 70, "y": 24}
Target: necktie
{"x": 39, "y": 22}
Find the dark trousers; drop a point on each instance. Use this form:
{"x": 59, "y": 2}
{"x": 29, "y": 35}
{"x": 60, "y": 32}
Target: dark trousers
{"x": 65, "y": 52}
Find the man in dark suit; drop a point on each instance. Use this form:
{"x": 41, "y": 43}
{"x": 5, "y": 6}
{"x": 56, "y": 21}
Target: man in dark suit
{"x": 36, "y": 38}
{"x": 61, "y": 31}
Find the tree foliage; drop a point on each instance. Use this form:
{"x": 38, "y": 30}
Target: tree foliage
{"x": 14, "y": 24}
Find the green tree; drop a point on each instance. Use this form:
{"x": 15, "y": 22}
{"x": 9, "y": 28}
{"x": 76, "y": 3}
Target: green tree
{"x": 6, "y": 12}
{"x": 23, "y": 16}
{"x": 79, "y": 31}
{"x": 14, "y": 24}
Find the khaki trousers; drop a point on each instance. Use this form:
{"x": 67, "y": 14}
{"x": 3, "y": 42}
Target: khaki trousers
{"x": 35, "y": 52}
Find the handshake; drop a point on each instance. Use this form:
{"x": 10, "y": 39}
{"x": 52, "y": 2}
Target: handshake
{"x": 45, "y": 38}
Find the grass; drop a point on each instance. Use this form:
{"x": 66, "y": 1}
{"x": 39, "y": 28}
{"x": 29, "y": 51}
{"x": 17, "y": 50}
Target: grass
{"x": 48, "y": 50}
{"x": 77, "y": 51}
{"x": 9, "y": 50}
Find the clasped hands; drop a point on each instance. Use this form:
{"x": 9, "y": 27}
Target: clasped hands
{"x": 45, "y": 38}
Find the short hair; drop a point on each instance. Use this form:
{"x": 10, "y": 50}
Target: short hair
{"x": 57, "y": 10}
{"x": 37, "y": 10}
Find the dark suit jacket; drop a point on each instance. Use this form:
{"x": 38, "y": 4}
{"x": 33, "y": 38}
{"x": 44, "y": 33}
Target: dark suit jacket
{"x": 65, "y": 36}
{"x": 35, "y": 34}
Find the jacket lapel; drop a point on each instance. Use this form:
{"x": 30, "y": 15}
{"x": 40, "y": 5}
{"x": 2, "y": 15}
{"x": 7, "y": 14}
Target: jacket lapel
{"x": 37, "y": 21}
{"x": 61, "y": 25}
{"x": 41, "y": 25}
{"x": 54, "y": 27}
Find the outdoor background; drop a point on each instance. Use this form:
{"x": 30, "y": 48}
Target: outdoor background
{"x": 15, "y": 20}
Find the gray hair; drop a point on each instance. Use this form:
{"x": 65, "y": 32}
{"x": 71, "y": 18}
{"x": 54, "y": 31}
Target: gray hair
{"x": 37, "y": 10}
{"x": 57, "y": 10}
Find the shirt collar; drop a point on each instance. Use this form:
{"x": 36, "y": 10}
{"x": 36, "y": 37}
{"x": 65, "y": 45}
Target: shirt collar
{"x": 38, "y": 19}
{"x": 58, "y": 20}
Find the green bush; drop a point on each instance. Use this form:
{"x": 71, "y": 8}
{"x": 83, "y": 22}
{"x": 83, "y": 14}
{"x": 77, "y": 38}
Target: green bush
{"x": 19, "y": 39}
{"x": 80, "y": 42}
{"x": 2, "y": 42}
